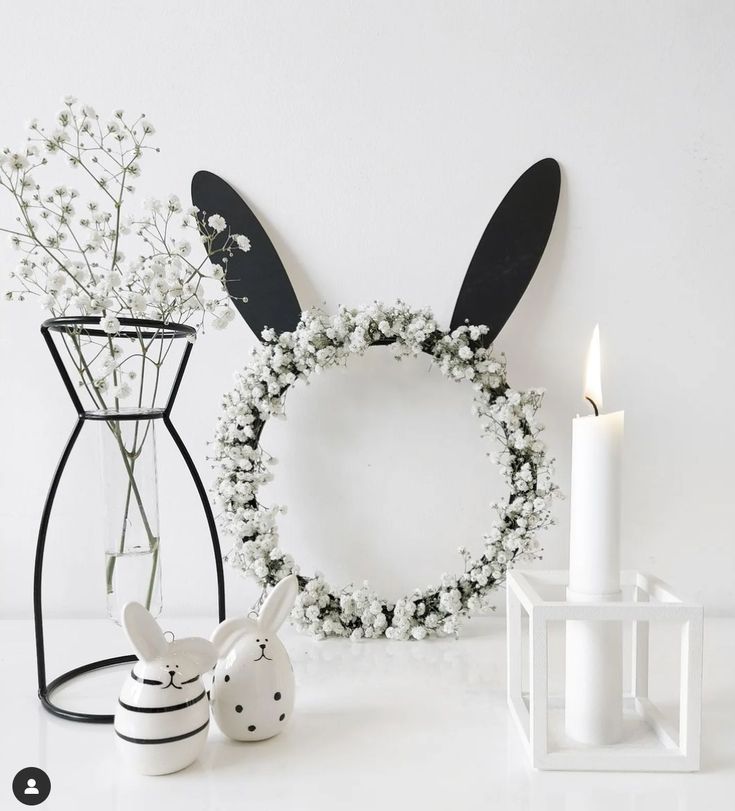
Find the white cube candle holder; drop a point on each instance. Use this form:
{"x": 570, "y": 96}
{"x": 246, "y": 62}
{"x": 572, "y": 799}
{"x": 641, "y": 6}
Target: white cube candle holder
{"x": 649, "y": 743}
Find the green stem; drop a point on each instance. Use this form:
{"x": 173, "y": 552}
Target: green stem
{"x": 132, "y": 489}
{"x": 124, "y": 529}
{"x": 152, "y": 579}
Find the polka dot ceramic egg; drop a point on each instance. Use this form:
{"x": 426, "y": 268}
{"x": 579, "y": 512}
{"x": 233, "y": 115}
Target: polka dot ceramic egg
{"x": 252, "y": 694}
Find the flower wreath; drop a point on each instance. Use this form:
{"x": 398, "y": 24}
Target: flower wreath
{"x": 509, "y": 416}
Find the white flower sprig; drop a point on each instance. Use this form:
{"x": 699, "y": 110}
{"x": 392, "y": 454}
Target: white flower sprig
{"x": 508, "y": 416}
{"x": 92, "y": 257}
{"x": 72, "y": 251}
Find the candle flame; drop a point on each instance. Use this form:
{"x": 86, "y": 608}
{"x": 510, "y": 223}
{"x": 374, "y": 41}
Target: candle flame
{"x": 593, "y": 374}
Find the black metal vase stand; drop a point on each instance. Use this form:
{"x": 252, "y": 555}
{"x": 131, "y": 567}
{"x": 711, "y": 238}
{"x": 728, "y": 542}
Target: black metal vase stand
{"x": 129, "y": 328}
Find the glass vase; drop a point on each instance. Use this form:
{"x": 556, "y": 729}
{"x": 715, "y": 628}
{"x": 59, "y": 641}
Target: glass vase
{"x": 131, "y": 528}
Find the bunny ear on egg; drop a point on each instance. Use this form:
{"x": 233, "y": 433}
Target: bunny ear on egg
{"x": 279, "y": 603}
{"x": 143, "y": 631}
{"x": 258, "y": 274}
{"x": 510, "y": 250}
{"x": 199, "y": 650}
{"x": 227, "y": 633}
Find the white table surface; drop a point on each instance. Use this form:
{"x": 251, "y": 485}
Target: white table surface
{"x": 378, "y": 725}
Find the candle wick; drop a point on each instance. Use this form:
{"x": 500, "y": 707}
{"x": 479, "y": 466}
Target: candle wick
{"x": 594, "y": 405}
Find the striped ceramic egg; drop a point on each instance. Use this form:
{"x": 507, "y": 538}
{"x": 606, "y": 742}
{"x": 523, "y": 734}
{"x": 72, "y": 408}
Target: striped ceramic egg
{"x": 162, "y": 717}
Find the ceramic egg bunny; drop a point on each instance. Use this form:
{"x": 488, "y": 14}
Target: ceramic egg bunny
{"x": 252, "y": 693}
{"x": 162, "y": 717}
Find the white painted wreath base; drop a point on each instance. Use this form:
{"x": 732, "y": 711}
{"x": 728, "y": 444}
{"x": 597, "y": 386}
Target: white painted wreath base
{"x": 650, "y": 743}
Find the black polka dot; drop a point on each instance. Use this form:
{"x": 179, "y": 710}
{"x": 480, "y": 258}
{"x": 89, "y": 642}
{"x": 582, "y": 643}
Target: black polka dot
{"x": 282, "y": 716}
{"x": 277, "y": 697}
{"x": 227, "y": 678}
{"x": 251, "y": 728}
{"x": 238, "y": 708}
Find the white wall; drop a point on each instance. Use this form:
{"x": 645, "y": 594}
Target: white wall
{"x": 375, "y": 139}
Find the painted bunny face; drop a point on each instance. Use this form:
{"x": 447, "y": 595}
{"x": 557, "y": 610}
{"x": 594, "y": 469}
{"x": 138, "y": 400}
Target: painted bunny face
{"x": 168, "y": 665}
{"x": 174, "y": 668}
{"x": 256, "y": 644}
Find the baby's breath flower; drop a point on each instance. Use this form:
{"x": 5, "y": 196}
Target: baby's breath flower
{"x": 217, "y": 223}
{"x": 110, "y": 324}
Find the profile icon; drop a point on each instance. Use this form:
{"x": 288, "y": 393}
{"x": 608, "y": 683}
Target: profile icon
{"x": 31, "y": 786}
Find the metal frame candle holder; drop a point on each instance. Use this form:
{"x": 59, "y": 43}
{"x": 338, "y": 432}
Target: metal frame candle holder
{"x": 145, "y": 329}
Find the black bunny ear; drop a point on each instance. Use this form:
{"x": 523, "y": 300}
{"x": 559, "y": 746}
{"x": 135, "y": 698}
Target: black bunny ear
{"x": 510, "y": 249}
{"x": 258, "y": 274}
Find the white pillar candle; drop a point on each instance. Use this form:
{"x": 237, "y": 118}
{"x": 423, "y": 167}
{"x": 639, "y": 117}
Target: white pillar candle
{"x": 594, "y": 540}
{"x": 594, "y": 696}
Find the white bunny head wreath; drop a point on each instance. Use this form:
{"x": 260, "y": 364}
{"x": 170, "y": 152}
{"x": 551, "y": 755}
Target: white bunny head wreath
{"x": 295, "y": 344}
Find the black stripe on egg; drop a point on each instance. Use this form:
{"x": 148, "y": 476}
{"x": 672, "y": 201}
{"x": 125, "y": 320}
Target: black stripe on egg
{"x": 144, "y": 681}
{"x": 164, "y": 740}
{"x": 170, "y": 708}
